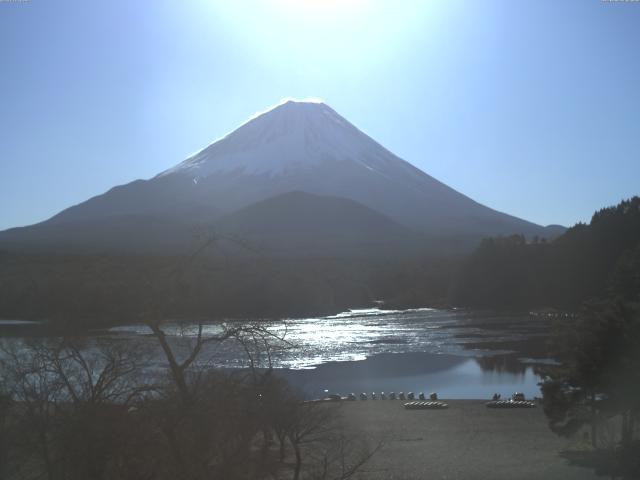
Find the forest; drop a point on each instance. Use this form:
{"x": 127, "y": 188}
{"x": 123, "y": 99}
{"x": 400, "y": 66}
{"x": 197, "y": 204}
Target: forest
{"x": 587, "y": 261}
{"x": 89, "y": 289}
{"x": 80, "y": 291}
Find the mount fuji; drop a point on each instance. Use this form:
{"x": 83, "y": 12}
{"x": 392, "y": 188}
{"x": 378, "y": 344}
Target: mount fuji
{"x": 298, "y": 178}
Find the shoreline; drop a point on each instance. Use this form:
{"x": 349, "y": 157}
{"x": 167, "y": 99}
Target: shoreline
{"x": 466, "y": 441}
{"x": 449, "y": 375}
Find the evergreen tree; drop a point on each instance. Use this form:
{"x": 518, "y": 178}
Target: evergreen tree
{"x": 598, "y": 380}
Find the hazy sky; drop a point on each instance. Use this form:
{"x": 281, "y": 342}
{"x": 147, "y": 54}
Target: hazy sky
{"x": 530, "y": 107}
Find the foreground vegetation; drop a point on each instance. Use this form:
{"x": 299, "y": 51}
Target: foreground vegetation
{"x": 73, "y": 410}
{"x": 595, "y": 391}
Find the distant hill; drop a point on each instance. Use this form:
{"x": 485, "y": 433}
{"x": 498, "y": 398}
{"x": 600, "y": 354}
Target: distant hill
{"x": 299, "y": 224}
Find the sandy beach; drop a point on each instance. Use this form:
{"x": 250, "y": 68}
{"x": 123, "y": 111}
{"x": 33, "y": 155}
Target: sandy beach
{"x": 466, "y": 441}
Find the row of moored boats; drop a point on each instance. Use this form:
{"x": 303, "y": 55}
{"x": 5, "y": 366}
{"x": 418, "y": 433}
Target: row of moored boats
{"x": 517, "y": 400}
{"x": 383, "y": 396}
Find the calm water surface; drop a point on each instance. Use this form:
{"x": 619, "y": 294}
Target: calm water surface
{"x": 459, "y": 354}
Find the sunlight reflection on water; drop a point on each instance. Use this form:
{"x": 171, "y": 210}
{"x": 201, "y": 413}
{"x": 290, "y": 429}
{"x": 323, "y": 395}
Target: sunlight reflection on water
{"x": 358, "y": 334}
{"x": 457, "y": 353}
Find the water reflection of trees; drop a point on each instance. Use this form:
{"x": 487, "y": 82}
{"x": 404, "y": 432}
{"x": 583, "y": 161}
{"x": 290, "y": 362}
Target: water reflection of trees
{"x": 502, "y": 364}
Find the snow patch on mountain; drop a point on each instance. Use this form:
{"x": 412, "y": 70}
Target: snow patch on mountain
{"x": 291, "y": 137}
{"x": 282, "y": 102}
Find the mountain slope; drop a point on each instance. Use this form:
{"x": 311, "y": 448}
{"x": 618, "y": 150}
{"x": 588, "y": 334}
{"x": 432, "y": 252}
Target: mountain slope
{"x": 296, "y": 146}
{"x": 309, "y": 147}
{"x": 129, "y": 232}
{"x": 302, "y": 224}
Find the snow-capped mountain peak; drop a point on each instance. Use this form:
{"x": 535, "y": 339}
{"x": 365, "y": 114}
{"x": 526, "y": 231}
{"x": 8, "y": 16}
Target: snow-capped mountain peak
{"x": 299, "y": 146}
{"x": 292, "y": 136}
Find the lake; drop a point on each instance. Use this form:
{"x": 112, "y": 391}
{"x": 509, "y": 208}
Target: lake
{"x": 457, "y": 353}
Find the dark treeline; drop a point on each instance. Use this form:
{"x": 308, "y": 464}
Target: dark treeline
{"x": 88, "y": 290}
{"x": 587, "y": 261}
{"x": 93, "y": 289}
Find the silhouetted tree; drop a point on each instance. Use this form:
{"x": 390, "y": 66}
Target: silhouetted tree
{"x": 598, "y": 379}
{"x": 70, "y": 407}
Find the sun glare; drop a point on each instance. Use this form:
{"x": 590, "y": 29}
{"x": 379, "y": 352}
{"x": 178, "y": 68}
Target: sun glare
{"x": 310, "y": 38}
{"x": 320, "y": 8}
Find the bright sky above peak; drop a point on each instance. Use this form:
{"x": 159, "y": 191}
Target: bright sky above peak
{"x": 528, "y": 107}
